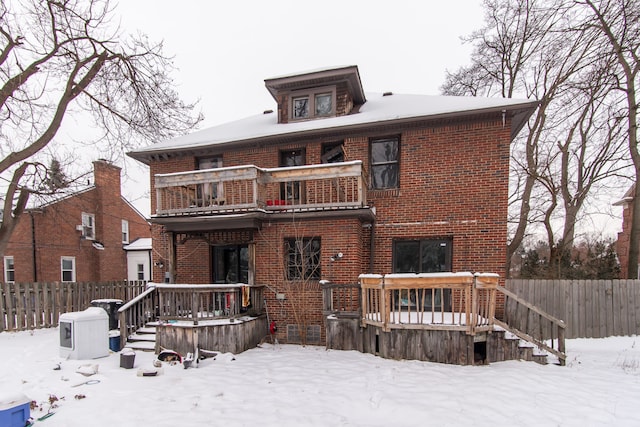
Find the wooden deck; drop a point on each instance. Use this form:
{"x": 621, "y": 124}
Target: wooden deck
{"x": 438, "y": 317}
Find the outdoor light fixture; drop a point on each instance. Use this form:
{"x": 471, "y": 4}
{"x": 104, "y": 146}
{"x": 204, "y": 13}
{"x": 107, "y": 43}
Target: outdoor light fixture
{"x": 159, "y": 264}
{"x": 337, "y": 256}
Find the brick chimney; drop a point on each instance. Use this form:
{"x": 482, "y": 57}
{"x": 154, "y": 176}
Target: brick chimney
{"x": 106, "y": 176}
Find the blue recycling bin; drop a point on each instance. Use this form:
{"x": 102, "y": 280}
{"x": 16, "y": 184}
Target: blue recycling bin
{"x": 114, "y": 340}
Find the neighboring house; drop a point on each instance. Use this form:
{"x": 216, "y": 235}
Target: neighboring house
{"x": 139, "y": 265}
{"x": 79, "y": 238}
{"x": 622, "y": 245}
{"x": 333, "y": 184}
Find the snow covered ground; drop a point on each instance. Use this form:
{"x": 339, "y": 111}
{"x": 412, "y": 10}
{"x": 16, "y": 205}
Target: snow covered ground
{"x": 287, "y": 385}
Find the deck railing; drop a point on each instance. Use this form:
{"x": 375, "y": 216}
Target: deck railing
{"x": 341, "y": 300}
{"x": 209, "y": 301}
{"x": 244, "y": 188}
{"x": 135, "y": 314}
{"x": 453, "y": 301}
{"x": 533, "y": 324}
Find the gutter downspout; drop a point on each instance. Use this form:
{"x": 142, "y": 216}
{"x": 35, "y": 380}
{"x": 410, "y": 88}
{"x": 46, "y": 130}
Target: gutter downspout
{"x": 33, "y": 247}
{"x": 372, "y": 246}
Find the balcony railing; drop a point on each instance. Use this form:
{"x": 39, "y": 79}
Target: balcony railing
{"x": 460, "y": 301}
{"x": 245, "y": 188}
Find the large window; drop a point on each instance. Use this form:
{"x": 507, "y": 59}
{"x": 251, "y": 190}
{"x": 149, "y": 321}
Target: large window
{"x": 9, "y": 269}
{"x": 68, "y": 269}
{"x": 303, "y": 258}
{"x": 88, "y": 226}
{"x": 385, "y": 170}
{"x": 317, "y": 103}
{"x": 424, "y": 256}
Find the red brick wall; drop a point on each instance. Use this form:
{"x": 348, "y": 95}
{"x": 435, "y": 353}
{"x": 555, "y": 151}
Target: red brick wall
{"x": 303, "y": 303}
{"x": 453, "y": 184}
{"x": 55, "y": 234}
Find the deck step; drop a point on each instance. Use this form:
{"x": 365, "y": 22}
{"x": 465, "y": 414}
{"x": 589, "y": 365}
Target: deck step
{"x": 141, "y": 345}
{"x": 142, "y": 337}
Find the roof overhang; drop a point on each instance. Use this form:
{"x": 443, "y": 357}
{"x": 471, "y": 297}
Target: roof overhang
{"x": 315, "y": 78}
{"x": 518, "y": 113}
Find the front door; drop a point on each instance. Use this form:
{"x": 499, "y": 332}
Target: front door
{"x": 231, "y": 264}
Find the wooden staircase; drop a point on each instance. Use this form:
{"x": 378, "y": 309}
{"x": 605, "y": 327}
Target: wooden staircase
{"x": 502, "y": 345}
{"x": 143, "y": 339}
{"x": 533, "y": 326}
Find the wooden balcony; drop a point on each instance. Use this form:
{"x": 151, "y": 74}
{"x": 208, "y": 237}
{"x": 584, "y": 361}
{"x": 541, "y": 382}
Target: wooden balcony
{"x": 251, "y": 188}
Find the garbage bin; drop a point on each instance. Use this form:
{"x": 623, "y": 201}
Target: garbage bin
{"x": 114, "y": 340}
{"x": 127, "y": 358}
{"x": 111, "y": 306}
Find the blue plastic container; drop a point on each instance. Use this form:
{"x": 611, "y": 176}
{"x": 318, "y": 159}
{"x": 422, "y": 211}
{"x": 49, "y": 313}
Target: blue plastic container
{"x": 15, "y": 410}
{"x": 114, "y": 340}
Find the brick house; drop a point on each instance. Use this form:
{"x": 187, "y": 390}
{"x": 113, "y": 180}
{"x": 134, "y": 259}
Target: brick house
{"x": 78, "y": 238}
{"x": 335, "y": 183}
{"x": 622, "y": 245}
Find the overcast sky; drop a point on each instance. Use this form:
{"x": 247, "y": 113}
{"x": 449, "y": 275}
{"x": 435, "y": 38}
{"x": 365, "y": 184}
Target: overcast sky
{"x": 225, "y": 49}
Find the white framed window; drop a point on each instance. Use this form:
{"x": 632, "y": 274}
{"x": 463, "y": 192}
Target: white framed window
{"x": 88, "y": 226}
{"x": 140, "y": 271}
{"x": 125, "y": 231}
{"x": 321, "y": 102}
{"x": 68, "y": 269}
{"x": 9, "y": 270}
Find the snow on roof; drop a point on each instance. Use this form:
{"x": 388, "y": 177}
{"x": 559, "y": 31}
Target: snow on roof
{"x": 311, "y": 71}
{"x": 377, "y": 109}
{"x": 140, "y": 244}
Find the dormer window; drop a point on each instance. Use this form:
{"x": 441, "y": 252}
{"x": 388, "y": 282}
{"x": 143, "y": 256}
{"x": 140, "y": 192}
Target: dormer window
{"x": 318, "y": 103}
{"x": 301, "y": 107}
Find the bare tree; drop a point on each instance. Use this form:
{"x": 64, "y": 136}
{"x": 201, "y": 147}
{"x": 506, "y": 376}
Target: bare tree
{"x": 58, "y": 57}
{"x": 298, "y": 251}
{"x": 529, "y": 48}
{"x": 618, "y": 21}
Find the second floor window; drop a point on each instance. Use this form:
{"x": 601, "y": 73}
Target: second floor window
{"x": 88, "y": 226}
{"x": 9, "y": 270}
{"x": 385, "y": 169}
{"x": 125, "y": 231}
{"x": 68, "y": 269}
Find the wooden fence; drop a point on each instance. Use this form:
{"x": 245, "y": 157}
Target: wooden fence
{"x": 26, "y": 306}
{"x": 590, "y": 308}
